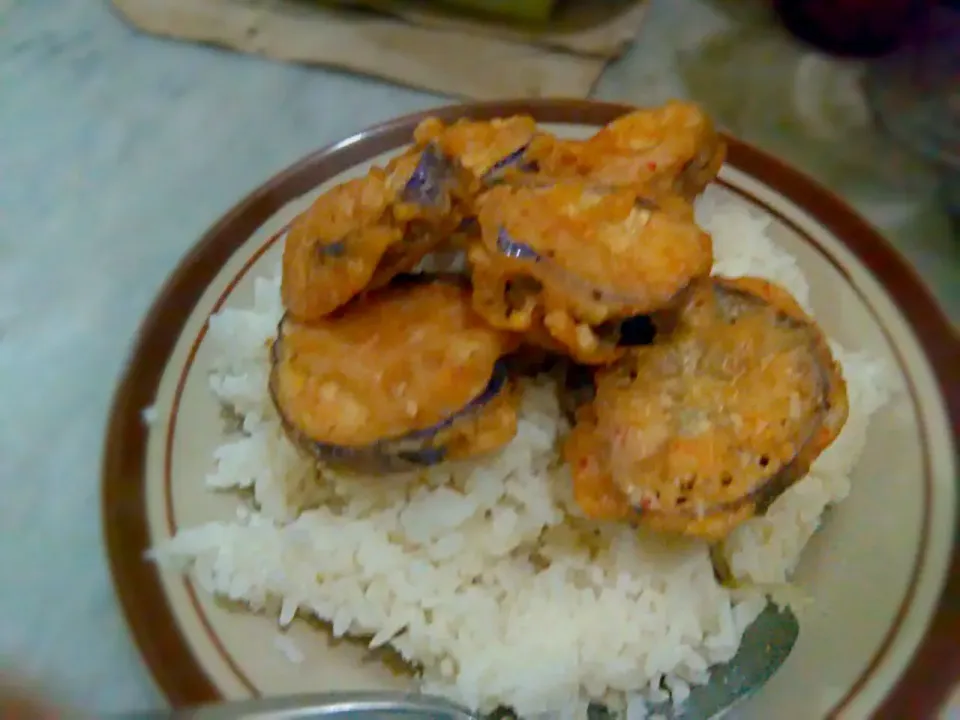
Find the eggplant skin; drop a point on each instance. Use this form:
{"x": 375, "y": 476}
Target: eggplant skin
{"x": 483, "y": 149}
{"x": 565, "y": 263}
{"x": 670, "y": 231}
{"x": 429, "y": 185}
{"x": 718, "y": 523}
{"x": 680, "y": 510}
{"x": 513, "y": 164}
{"x": 404, "y": 453}
{"x": 410, "y": 451}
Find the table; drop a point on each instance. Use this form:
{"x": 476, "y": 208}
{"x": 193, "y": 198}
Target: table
{"x": 117, "y": 150}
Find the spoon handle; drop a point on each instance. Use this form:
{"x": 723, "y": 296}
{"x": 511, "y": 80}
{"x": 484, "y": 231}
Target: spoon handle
{"x": 765, "y": 645}
{"x": 328, "y": 706}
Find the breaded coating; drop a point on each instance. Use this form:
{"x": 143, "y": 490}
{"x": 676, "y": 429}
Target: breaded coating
{"x": 670, "y": 150}
{"x": 565, "y": 262}
{"x": 708, "y": 425}
{"x": 398, "y": 361}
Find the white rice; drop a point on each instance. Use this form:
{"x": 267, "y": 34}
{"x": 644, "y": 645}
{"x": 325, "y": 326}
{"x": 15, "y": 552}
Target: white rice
{"x": 482, "y": 573}
{"x": 288, "y": 648}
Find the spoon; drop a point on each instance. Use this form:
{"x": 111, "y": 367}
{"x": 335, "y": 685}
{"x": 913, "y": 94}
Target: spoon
{"x": 332, "y": 706}
{"x": 765, "y": 646}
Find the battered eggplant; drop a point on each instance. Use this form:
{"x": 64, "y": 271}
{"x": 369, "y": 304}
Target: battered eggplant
{"x": 404, "y": 377}
{"x": 486, "y": 150}
{"x": 362, "y": 233}
{"x": 707, "y": 426}
{"x": 565, "y": 264}
{"x": 332, "y": 249}
{"x": 672, "y": 149}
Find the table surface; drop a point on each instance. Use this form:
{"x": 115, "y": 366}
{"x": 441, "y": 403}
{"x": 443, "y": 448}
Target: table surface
{"x": 118, "y": 150}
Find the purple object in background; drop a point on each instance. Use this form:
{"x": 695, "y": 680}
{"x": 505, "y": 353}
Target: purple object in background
{"x": 915, "y": 95}
{"x": 853, "y": 28}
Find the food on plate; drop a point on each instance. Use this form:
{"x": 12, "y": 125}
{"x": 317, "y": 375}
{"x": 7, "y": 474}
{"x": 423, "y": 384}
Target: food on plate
{"x": 704, "y": 428}
{"x": 358, "y": 236}
{"x": 362, "y": 233}
{"x": 405, "y": 377}
{"x": 333, "y": 248}
{"x": 427, "y": 185}
{"x": 486, "y": 150}
{"x": 617, "y": 410}
{"x": 673, "y": 149}
{"x": 567, "y": 263}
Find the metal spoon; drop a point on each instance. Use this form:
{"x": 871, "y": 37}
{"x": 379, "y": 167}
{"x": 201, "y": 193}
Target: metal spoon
{"x": 333, "y": 706}
{"x": 765, "y": 646}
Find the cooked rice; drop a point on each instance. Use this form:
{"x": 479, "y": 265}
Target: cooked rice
{"x": 288, "y": 648}
{"x": 485, "y": 574}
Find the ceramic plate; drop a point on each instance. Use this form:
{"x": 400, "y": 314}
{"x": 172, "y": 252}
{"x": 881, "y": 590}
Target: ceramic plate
{"x": 878, "y": 571}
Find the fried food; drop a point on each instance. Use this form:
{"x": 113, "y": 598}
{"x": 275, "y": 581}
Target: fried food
{"x": 673, "y": 149}
{"x": 409, "y": 375}
{"x": 332, "y": 249}
{"x": 486, "y": 150}
{"x": 362, "y": 233}
{"x": 577, "y": 248}
{"x": 565, "y": 263}
{"x": 704, "y": 428}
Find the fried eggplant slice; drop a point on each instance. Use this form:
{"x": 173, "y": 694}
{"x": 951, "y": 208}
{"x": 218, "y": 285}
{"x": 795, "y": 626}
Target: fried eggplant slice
{"x": 426, "y": 184}
{"x": 333, "y": 248}
{"x": 435, "y": 182}
{"x": 707, "y": 426}
{"x": 488, "y": 150}
{"x": 404, "y": 377}
{"x": 362, "y": 233}
{"x": 565, "y": 264}
{"x": 673, "y": 149}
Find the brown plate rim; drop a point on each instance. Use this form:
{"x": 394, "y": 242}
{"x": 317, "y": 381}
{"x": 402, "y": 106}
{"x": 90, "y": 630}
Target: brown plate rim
{"x": 906, "y": 600}
{"x": 935, "y": 667}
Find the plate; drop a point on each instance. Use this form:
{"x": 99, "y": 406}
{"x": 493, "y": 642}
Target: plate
{"x": 880, "y": 634}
